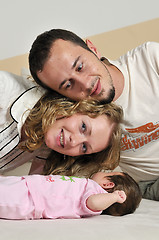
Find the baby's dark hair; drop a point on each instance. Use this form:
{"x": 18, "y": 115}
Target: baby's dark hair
{"x": 130, "y": 187}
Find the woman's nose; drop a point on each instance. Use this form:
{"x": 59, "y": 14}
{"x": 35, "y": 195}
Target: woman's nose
{"x": 76, "y": 139}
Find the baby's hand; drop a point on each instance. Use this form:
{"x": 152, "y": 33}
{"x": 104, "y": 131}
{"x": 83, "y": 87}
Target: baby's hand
{"x": 121, "y": 196}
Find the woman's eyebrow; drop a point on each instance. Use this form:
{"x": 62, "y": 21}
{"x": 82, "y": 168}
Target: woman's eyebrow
{"x": 89, "y": 128}
{"x": 90, "y": 148}
{"x": 89, "y": 133}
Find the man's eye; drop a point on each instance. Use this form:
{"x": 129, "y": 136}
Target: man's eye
{"x": 68, "y": 85}
{"x": 83, "y": 127}
{"x": 84, "y": 148}
{"x": 80, "y": 67}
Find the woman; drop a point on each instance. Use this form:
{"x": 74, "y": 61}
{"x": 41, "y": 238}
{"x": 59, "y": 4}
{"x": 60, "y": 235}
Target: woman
{"x": 49, "y": 122}
{"x": 86, "y": 130}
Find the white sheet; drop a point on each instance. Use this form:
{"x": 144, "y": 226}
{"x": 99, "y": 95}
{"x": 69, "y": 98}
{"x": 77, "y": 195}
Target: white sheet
{"x": 141, "y": 225}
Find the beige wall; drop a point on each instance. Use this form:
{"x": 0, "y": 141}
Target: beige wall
{"x": 111, "y": 44}
{"x": 115, "y": 43}
{"x": 22, "y": 20}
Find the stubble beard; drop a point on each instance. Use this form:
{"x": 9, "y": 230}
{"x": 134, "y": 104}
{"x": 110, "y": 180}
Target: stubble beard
{"x": 111, "y": 93}
{"x": 110, "y": 96}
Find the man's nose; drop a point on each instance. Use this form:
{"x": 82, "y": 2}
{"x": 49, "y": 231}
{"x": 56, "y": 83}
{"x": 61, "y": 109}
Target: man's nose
{"x": 82, "y": 83}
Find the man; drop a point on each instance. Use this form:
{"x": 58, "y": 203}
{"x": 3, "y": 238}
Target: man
{"x": 62, "y": 61}
{"x": 82, "y": 75}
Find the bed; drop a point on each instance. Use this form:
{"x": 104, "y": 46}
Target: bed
{"x": 144, "y": 223}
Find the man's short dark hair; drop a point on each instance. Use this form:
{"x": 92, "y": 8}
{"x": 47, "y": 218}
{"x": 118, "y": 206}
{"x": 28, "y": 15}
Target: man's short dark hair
{"x": 40, "y": 50}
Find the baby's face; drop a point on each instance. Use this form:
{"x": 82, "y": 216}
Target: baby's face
{"x": 102, "y": 177}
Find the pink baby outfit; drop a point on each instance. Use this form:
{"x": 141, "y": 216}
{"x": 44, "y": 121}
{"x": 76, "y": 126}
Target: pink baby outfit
{"x": 53, "y": 196}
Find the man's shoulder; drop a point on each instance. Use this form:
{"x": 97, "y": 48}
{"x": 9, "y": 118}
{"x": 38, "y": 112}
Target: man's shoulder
{"x": 146, "y": 48}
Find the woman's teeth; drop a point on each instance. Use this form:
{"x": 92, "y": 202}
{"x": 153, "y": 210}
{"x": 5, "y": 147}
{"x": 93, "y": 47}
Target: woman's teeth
{"x": 62, "y": 139}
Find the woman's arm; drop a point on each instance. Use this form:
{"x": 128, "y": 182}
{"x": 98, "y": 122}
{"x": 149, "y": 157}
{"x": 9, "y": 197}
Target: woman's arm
{"x": 99, "y": 202}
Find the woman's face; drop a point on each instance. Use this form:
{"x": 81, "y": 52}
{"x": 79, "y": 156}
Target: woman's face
{"x": 79, "y": 134}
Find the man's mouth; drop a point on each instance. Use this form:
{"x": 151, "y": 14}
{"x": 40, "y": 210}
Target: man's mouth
{"x": 96, "y": 89}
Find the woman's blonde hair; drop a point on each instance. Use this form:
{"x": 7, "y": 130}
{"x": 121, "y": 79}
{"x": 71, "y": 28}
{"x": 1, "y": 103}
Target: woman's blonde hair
{"x": 51, "y": 107}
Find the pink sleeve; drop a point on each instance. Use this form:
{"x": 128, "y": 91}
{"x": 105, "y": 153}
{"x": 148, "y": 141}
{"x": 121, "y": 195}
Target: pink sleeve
{"x": 91, "y": 189}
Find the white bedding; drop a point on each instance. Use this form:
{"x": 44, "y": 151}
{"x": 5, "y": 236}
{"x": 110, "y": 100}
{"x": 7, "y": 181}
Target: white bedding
{"x": 141, "y": 225}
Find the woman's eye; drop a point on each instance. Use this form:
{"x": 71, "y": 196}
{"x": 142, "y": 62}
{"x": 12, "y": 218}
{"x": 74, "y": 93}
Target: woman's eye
{"x": 68, "y": 85}
{"x": 84, "y": 148}
{"x": 83, "y": 127}
{"x": 80, "y": 67}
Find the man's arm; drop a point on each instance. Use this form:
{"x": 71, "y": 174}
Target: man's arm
{"x": 99, "y": 202}
{"x": 150, "y": 189}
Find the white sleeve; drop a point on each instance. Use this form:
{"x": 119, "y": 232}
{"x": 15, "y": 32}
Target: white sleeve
{"x": 9, "y": 90}
{"x": 153, "y": 51}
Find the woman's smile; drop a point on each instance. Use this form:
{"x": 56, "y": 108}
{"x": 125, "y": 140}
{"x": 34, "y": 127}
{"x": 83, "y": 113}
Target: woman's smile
{"x": 60, "y": 139}
{"x": 79, "y": 134}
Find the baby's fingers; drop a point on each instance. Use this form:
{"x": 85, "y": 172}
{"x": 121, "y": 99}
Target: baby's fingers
{"x": 122, "y": 196}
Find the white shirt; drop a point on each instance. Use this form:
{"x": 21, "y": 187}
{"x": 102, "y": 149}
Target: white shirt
{"x": 140, "y": 102}
{"x": 17, "y": 95}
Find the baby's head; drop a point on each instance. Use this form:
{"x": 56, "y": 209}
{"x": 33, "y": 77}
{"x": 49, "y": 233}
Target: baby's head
{"x": 119, "y": 181}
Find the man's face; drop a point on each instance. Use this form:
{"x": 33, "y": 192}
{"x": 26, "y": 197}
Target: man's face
{"x": 76, "y": 73}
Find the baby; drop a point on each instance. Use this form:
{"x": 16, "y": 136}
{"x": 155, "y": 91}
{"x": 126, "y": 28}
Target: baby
{"x": 55, "y": 196}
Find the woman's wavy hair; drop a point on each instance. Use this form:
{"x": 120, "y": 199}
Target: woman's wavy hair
{"x": 54, "y": 106}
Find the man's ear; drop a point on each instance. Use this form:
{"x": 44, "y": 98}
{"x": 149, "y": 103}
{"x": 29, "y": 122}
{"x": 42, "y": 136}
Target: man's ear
{"x": 93, "y": 48}
{"x": 108, "y": 185}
